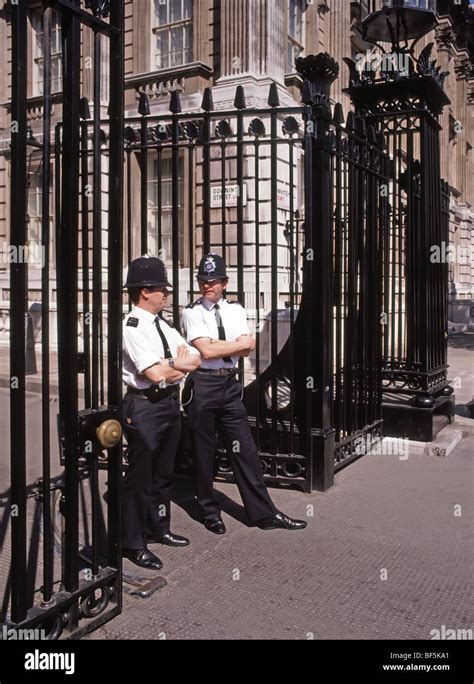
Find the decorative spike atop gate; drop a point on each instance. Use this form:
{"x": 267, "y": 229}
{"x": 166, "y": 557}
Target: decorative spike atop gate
{"x": 381, "y": 140}
{"x": 239, "y": 102}
{"x": 318, "y": 72}
{"x": 207, "y": 101}
{"x": 273, "y": 97}
{"x": 84, "y": 109}
{"x": 175, "y": 103}
{"x": 371, "y": 137}
{"x": 360, "y": 127}
{"x": 350, "y": 123}
{"x": 143, "y": 104}
{"x": 338, "y": 114}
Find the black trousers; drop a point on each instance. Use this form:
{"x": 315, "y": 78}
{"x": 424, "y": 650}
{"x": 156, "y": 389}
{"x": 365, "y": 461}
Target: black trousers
{"x": 216, "y": 404}
{"x": 153, "y": 432}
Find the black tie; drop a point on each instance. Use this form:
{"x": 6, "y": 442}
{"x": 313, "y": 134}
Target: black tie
{"x": 220, "y": 327}
{"x": 166, "y": 347}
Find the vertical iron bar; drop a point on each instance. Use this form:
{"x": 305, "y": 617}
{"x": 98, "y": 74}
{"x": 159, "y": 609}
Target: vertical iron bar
{"x": 48, "y": 549}
{"x": 426, "y": 201}
{"x": 410, "y": 321}
{"x": 175, "y": 216}
{"x": 95, "y": 500}
{"x": 159, "y": 179}
{"x": 97, "y": 328}
{"x": 18, "y": 288}
{"x": 401, "y": 352}
{"x": 129, "y": 205}
{"x": 97, "y": 360}
{"x": 191, "y": 219}
{"x": 85, "y": 262}
{"x": 274, "y": 271}
{"x": 291, "y": 228}
{"x": 240, "y": 224}
{"x": 257, "y": 292}
{"x": 345, "y": 308}
{"x": 206, "y": 184}
{"x": 338, "y": 271}
{"x": 144, "y": 184}
{"x": 114, "y": 285}
{"x": 372, "y": 302}
{"x": 362, "y": 285}
{"x": 67, "y": 296}
{"x": 349, "y": 335}
{"x": 57, "y": 189}
{"x": 224, "y": 201}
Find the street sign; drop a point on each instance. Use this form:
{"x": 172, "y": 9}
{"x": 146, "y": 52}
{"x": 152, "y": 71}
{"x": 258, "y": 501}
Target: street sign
{"x": 231, "y": 195}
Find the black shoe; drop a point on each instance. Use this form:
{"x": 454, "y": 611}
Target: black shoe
{"x": 215, "y": 525}
{"x": 143, "y": 557}
{"x": 282, "y": 522}
{"x": 168, "y": 539}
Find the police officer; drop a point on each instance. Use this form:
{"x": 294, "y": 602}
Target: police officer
{"x": 155, "y": 360}
{"x": 218, "y": 329}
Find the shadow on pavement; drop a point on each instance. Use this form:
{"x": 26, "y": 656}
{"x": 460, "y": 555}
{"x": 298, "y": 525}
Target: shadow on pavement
{"x": 184, "y": 496}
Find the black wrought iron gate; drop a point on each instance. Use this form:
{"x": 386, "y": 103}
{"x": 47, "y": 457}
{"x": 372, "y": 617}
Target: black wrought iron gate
{"x": 291, "y": 197}
{"x": 86, "y": 589}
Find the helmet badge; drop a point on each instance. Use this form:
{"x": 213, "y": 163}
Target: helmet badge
{"x": 210, "y": 265}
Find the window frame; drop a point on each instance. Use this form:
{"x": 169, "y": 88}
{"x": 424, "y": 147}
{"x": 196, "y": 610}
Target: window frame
{"x": 167, "y": 207}
{"x": 188, "y": 52}
{"x": 34, "y": 196}
{"x": 37, "y": 56}
{"x": 295, "y": 43}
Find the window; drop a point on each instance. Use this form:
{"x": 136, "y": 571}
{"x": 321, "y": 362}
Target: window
{"x": 295, "y": 32}
{"x": 38, "y": 55}
{"x": 166, "y": 208}
{"x": 173, "y": 32}
{"x": 35, "y": 198}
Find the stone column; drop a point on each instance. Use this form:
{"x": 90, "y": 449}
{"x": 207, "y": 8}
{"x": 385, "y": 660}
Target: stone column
{"x": 444, "y": 37}
{"x": 253, "y": 41}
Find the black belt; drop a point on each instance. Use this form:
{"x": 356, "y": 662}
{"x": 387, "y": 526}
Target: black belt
{"x": 217, "y": 371}
{"x": 155, "y": 393}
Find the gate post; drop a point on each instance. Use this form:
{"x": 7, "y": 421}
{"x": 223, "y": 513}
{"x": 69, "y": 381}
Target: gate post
{"x": 318, "y": 72}
{"x": 404, "y": 105}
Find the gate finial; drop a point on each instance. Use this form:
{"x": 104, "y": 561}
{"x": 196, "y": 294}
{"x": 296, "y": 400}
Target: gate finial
{"x": 239, "y": 102}
{"x": 143, "y": 104}
{"x": 319, "y": 72}
{"x": 84, "y": 109}
{"x": 273, "y": 97}
{"x": 175, "y": 103}
{"x": 207, "y": 101}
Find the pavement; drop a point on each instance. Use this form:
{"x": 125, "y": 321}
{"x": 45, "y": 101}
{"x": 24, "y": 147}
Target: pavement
{"x": 387, "y": 553}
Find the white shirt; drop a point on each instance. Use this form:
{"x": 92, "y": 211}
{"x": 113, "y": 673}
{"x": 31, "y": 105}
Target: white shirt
{"x": 142, "y": 346}
{"x": 199, "y": 320}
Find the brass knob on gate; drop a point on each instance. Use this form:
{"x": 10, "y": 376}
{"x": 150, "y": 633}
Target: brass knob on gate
{"x": 109, "y": 433}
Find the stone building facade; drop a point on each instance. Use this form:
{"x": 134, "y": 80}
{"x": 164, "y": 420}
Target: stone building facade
{"x": 189, "y": 45}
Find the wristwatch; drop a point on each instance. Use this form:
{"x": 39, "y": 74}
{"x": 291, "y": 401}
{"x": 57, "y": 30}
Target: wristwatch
{"x": 171, "y": 363}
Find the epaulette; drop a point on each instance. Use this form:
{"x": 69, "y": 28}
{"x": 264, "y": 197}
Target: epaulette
{"x": 132, "y": 322}
{"x": 191, "y": 306}
{"x": 229, "y": 302}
